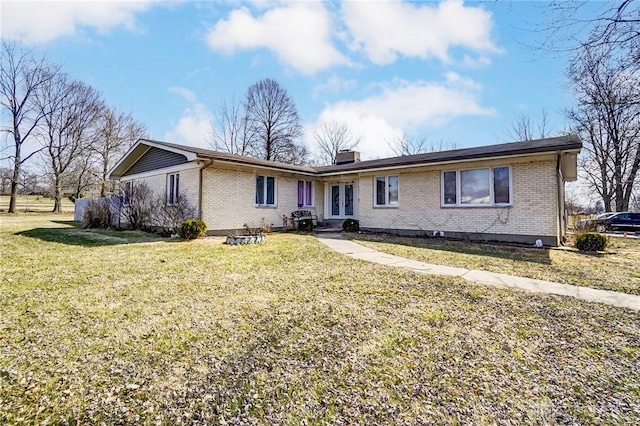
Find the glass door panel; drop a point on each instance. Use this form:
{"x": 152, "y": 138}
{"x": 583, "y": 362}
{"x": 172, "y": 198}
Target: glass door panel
{"x": 348, "y": 199}
{"x": 335, "y": 200}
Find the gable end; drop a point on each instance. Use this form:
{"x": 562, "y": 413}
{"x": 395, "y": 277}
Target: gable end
{"x": 154, "y": 159}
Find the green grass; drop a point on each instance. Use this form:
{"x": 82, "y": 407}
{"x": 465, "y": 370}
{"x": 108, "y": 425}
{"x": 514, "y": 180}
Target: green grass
{"x": 124, "y": 328}
{"x": 618, "y": 270}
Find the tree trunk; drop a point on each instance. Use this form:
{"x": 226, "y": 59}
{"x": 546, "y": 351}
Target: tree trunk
{"x": 16, "y": 171}
{"x": 57, "y": 198}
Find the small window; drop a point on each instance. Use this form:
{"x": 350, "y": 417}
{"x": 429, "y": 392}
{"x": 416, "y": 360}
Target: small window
{"x": 305, "y": 193}
{"x": 173, "y": 189}
{"x": 386, "y": 191}
{"x": 477, "y": 187}
{"x": 265, "y": 191}
{"x": 450, "y": 193}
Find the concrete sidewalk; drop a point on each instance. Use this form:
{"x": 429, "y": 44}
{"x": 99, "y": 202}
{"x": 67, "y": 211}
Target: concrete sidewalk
{"x": 339, "y": 244}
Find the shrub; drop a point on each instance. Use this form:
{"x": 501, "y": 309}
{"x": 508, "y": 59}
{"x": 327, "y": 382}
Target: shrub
{"x": 351, "y": 225}
{"x": 168, "y": 218}
{"x": 191, "y": 229}
{"x": 138, "y": 206}
{"x": 97, "y": 214}
{"x": 305, "y": 225}
{"x": 591, "y": 241}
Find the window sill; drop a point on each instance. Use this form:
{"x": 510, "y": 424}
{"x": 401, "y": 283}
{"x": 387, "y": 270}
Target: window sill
{"x": 386, "y": 207}
{"x": 266, "y": 206}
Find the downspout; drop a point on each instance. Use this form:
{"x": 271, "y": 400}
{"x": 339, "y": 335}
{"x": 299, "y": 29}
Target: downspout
{"x": 560, "y": 199}
{"x": 207, "y": 163}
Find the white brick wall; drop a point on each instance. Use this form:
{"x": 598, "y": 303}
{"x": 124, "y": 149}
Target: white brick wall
{"x": 534, "y": 210}
{"x": 229, "y": 199}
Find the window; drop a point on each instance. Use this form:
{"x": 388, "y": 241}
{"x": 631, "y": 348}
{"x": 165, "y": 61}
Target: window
{"x": 173, "y": 187}
{"x": 477, "y": 187}
{"x": 265, "y": 191}
{"x": 386, "y": 191}
{"x": 126, "y": 193}
{"x": 305, "y": 193}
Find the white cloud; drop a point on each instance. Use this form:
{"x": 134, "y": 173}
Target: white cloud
{"x": 334, "y": 84}
{"x": 193, "y": 128}
{"x": 384, "y": 30}
{"x": 298, "y": 33}
{"x": 43, "y": 21}
{"x": 186, "y": 94}
{"x": 403, "y": 106}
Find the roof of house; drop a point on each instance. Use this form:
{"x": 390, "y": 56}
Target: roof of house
{"x": 562, "y": 143}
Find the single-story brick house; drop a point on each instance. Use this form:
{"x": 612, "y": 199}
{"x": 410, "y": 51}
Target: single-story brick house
{"x": 505, "y": 192}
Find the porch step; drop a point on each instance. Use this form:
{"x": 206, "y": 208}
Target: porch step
{"x": 331, "y": 222}
{"x": 328, "y": 229}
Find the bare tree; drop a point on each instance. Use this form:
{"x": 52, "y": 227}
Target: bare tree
{"x": 70, "y": 110}
{"x": 21, "y": 76}
{"x": 614, "y": 25}
{"x": 230, "y": 128}
{"x": 273, "y": 123}
{"x": 333, "y": 137}
{"x": 607, "y": 116}
{"x": 523, "y": 128}
{"x": 114, "y": 133}
{"x": 410, "y": 146}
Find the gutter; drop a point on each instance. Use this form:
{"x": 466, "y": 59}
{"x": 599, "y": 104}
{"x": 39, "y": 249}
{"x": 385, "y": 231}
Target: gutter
{"x": 560, "y": 198}
{"x": 206, "y": 164}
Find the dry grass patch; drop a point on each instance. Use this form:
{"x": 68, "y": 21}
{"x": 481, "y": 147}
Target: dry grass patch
{"x": 617, "y": 270}
{"x": 289, "y": 332}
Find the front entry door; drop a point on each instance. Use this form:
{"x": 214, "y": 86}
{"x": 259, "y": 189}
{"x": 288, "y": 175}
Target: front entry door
{"x": 342, "y": 200}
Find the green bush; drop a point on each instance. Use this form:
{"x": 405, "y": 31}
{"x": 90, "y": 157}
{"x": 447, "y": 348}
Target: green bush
{"x": 305, "y": 225}
{"x": 191, "y": 229}
{"x": 591, "y": 241}
{"x": 351, "y": 225}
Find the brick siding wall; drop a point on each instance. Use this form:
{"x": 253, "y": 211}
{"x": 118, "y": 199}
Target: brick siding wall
{"x": 534, "y": 210}
{"x": 229, "y": 199}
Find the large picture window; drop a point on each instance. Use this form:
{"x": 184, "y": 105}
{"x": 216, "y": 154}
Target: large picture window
{"x": 173, "y": 188}
{"x": 265, "y": 191}
{"x": 305, "y": 193}
{"x": 386, "y": 191}
{"x": 477, "y": 187}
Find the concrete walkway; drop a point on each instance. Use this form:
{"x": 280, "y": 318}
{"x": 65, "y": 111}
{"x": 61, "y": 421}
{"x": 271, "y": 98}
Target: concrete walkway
{"x": 339, "y": 244}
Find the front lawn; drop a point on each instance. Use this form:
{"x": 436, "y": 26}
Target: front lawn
{"x": 618, "y": 270}
{"x": 113, "y": 328}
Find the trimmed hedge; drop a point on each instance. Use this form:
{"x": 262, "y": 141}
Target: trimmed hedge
{"x": 351, "y": 225}
{"x": 591, "y": 241}
{"x": 191, "y": 229}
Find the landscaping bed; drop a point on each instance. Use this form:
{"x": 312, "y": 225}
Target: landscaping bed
{"x": 124, "y": 328}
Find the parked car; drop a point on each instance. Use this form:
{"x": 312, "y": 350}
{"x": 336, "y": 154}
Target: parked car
{"x": 590, "y": 224}
{"x": 619, "y": 221}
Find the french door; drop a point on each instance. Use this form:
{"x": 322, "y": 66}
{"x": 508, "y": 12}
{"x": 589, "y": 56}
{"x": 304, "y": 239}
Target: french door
{"x": 342, "y": 200}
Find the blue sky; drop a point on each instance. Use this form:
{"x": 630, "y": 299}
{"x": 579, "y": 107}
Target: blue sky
{"x": 451, "y": 71}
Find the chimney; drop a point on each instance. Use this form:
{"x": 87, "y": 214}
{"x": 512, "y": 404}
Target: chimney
{"x": 347, "y": 157}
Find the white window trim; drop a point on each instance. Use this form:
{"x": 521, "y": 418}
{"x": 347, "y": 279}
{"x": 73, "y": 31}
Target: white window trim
{"x": 386, "y": 204}
{"x": 177, "y": 193}
{"x": 275, "y": 191}
{"x": 491, "y": 189}
{"x": 313, "y": 193}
